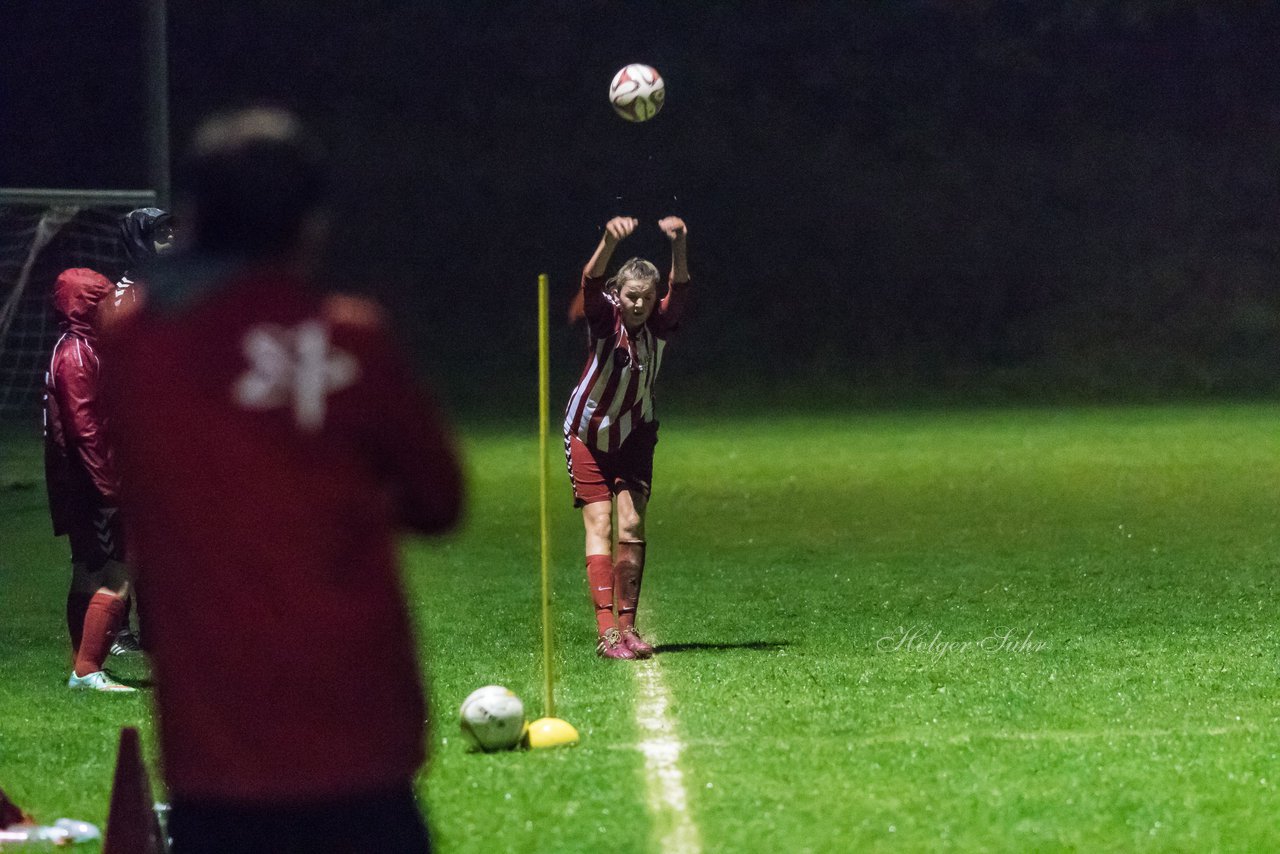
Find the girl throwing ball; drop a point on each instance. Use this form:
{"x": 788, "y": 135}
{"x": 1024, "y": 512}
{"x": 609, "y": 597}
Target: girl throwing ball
{"x": 609, "y": 428}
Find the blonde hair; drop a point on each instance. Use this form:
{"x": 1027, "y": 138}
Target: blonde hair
{"x": 637, "y": 270}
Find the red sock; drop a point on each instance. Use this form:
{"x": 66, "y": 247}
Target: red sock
{"x": 627, "y": 573}
{"x": 77, "y": 605}
{"x": 101, "y": 622}
{"x": 600, "y": 579}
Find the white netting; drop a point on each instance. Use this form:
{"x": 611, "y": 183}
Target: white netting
{"x": 37, "y": 242}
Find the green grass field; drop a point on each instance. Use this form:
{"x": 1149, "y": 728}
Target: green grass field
{"x": 1036, "y": 629}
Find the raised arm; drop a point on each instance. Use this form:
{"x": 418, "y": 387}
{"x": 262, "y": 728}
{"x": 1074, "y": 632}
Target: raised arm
{"x": 615, "y": 231}
{"x": 672, "y": 306}
{"x": 591, "y": 301}
{"x": 678, "y": 233}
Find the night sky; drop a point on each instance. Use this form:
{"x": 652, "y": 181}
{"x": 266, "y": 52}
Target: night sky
{"x": 987, "y": 198}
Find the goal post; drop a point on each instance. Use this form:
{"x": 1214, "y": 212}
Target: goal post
{"x": 42, "y": 197}
{"x": 42, "y": 233}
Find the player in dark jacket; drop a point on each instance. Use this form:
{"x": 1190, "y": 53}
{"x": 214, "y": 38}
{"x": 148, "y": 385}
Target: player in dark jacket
{"x": 81, "y": 478}
{"x": 145, "y": 233}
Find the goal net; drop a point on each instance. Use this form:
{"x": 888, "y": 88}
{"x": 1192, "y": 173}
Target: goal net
{"x": 42, "y": 233}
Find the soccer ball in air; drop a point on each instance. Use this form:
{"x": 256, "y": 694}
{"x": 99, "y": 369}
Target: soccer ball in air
{"x": 637, "y": 92}
{"x": 492, "y": 718}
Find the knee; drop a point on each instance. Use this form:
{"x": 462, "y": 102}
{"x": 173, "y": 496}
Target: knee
{"x": 630, "y": 526}
{"x": 116, "y": 578}
{"x": 85, "y": 580}
{"x": 598, "y": 522}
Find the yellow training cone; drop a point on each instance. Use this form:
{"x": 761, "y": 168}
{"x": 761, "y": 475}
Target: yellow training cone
{"x": 550, "y": 732}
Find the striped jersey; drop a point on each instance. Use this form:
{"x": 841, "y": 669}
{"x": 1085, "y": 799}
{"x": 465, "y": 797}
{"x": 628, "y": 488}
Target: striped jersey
{"x": 615, "y": 392}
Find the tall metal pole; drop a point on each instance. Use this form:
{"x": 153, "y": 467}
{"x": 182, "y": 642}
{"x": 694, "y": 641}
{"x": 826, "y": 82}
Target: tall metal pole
{"x": 544, "y": 409}
{"x": 548, "y": 731}
{"x": 156, "y": 50}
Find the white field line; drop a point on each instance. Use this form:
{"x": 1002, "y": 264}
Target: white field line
{"x": 1011, "y": 735}
{"x": 1052, "y": 735}
{"x": 661, "y": 746}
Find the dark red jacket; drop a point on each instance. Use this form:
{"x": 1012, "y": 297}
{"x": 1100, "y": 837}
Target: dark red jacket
{"x": 79, "y": 471}
{"x": 272, "y": 443}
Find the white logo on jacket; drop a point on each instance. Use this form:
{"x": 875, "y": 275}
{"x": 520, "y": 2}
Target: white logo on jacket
{"x": 295, "y": 367}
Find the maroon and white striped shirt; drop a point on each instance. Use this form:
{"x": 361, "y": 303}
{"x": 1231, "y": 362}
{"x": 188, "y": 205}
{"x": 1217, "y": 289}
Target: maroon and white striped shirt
{"x": 615, "y": 392}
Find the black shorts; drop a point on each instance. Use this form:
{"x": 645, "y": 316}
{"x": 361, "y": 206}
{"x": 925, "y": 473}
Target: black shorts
{"x": 387, "y": 822}
{"x": 96, "y": 536}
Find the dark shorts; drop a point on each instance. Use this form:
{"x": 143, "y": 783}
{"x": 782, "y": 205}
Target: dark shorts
{"x": 599, "y": 475}
{"x": 387, "y": 822}
{"x": 96, "y": 536}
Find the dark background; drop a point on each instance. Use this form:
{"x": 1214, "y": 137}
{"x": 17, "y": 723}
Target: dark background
{"x": 974, "y": 200}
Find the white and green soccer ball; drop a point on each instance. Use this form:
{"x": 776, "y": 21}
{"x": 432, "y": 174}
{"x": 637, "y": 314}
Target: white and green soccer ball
{"x": 492, "y": 718}
{"x": 637, "y": 92}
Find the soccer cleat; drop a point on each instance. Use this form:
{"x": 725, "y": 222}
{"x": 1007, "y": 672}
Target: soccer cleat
{"x": 126, "y": 643}
{"x": 98, "y": 681}
{"x": 610, "y": 645}
{"x": 631, "y": 640}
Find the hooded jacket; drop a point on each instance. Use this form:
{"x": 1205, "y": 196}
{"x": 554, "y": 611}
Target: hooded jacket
{"x": 138, "y": 231}
{"x": 78, "y": 467}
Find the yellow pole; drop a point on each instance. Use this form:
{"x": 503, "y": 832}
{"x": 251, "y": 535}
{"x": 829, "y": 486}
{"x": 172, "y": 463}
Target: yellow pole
{"x": 547, "y": 731}
{"x": 544, "y": 409}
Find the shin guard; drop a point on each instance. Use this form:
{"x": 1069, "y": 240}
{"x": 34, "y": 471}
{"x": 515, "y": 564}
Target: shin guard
{"x": 627, "y": 574}
{"x": 600, "y": 579}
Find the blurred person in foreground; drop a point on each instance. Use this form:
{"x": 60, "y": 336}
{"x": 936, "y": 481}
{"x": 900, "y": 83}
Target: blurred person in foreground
{"x": 272, "y": 443}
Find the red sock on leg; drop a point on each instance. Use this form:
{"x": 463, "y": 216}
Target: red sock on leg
{"x": 102, "y": 620}
{"x": 600, "y": 579}
{"x": 627, "y": 573}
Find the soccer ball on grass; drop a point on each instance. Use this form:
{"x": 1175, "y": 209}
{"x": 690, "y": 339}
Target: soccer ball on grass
{"x": 492, "y": 718}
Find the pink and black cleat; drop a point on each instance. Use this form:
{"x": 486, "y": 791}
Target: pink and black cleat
{"x": 631, "y": 640}
{"x": 610, "y": 645}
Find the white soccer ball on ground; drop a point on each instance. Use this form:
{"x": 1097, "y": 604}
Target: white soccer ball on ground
{"x": 492, "y": 718}
{"x": 637, "y": 92}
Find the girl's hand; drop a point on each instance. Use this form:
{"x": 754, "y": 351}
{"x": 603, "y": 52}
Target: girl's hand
{"x": 673, "y": 227}
{"x": 620, "y": 227}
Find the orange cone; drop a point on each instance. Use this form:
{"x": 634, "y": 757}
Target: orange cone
{"x": 132, "y": 827}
